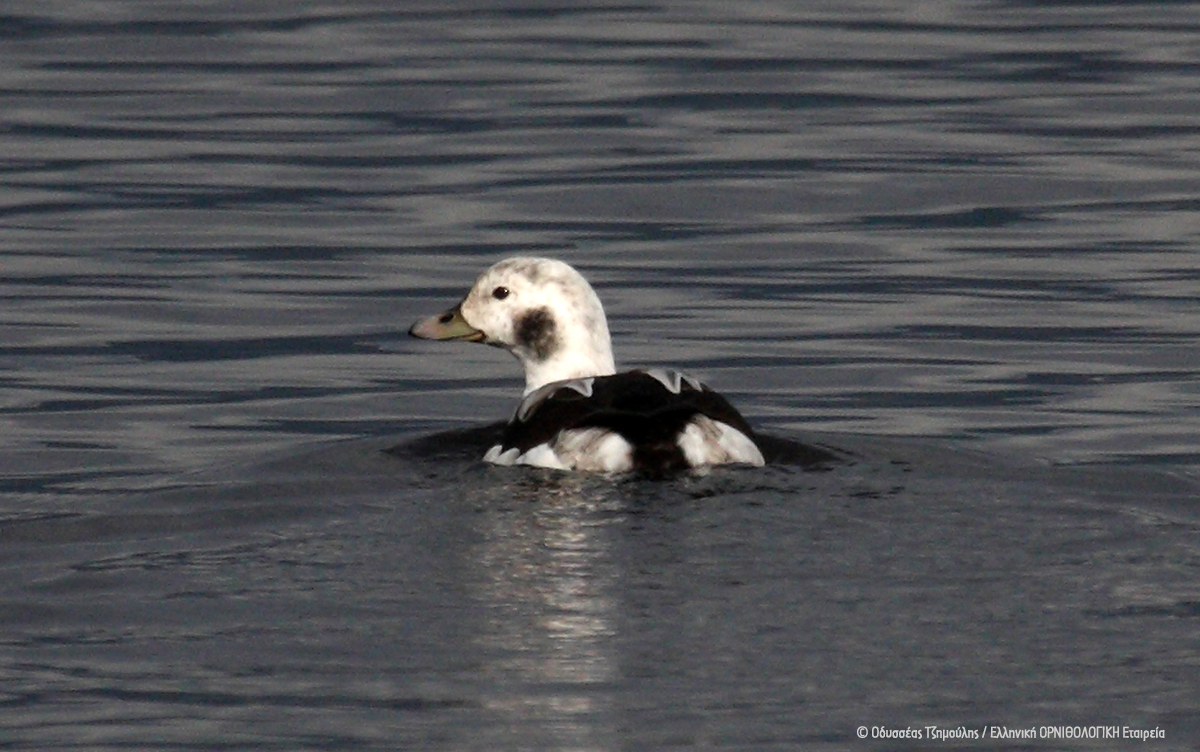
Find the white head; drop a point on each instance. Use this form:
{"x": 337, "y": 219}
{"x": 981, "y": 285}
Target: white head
{"x": 541, "y": 310}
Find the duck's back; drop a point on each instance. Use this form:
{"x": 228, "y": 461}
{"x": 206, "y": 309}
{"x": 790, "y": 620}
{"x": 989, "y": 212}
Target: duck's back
{"x": 650, "y": 421}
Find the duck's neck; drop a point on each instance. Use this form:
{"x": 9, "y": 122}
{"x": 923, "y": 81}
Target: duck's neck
{"x": 578, "y": 363}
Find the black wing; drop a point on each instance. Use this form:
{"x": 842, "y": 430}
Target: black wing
{"x": 636, "y": 405}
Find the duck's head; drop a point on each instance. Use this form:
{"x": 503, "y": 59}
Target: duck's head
{"x": 541, "y": 310}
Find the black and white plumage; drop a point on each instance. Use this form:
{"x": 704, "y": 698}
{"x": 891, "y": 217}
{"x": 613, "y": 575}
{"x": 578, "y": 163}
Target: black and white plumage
{"x": 577, "y": 412}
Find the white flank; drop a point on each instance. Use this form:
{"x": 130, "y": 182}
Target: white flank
{"x": 496, "y": 457}
{"x": 588, "y": 449}
{"x": 710, "y": 442}
{"x": 542, "y": 456}
{"x": 594, "y": 449}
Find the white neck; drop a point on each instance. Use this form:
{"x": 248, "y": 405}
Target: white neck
{"x": 590, "y": 357}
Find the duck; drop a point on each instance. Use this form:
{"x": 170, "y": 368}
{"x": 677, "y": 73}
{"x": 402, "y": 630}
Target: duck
{"x": 577, "y": 413}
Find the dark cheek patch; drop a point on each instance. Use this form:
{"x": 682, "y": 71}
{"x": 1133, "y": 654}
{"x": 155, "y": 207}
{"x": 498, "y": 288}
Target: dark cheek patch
{"x": 535, "y": 332}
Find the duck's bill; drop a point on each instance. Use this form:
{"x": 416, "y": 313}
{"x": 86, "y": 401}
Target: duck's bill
{"x": 447, "y": 325}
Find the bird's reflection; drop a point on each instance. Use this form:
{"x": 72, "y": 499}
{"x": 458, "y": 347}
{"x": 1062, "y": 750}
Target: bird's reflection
{"x": 547, "y": 583}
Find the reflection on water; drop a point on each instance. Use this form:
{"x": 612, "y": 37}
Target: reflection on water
{"x": 549, "y": 587}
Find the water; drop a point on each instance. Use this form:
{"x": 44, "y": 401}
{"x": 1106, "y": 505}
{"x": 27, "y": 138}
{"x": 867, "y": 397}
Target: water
{"x": 958, "y": 241}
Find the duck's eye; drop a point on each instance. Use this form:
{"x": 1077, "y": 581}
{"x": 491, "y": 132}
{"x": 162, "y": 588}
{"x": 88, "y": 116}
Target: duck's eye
{"x": 500, "y": 293}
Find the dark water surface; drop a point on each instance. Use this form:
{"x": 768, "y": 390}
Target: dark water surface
{"x": 959, "y": 241}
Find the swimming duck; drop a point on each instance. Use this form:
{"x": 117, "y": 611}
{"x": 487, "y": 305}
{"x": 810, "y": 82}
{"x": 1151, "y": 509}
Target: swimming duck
{"x": 577, "y": 412}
